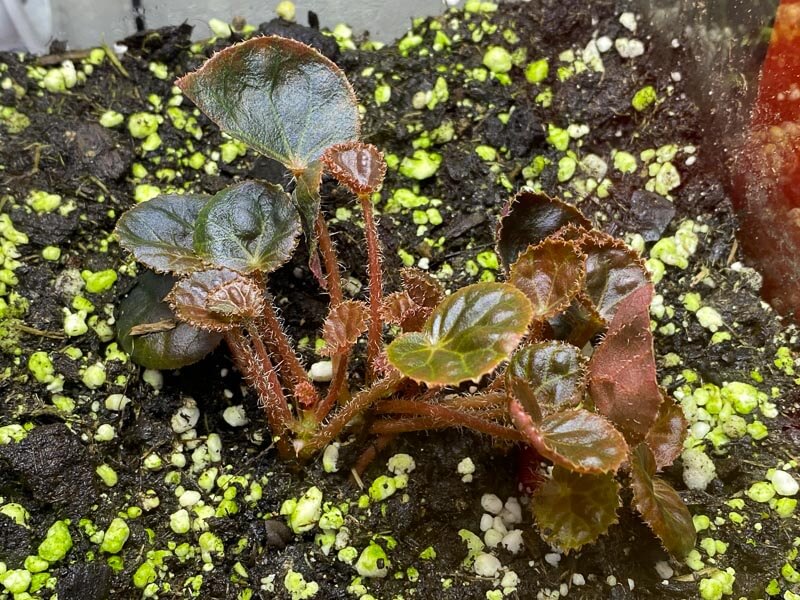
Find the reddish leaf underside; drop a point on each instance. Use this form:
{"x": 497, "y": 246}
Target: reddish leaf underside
{"x": 669, "y": 431}
{"x": 423, "y": 289}
{"x": 572, "y": 510}
{"x": 660, "y": 505}
{"x": 344, "y": 324}
{"x": 358, "y": 166}
{"x": 189, "y": 299}
{"x": 622, "y": 370}
{"x": 399, "y": 309}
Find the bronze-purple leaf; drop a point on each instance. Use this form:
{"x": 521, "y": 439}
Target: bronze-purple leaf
{"x": 422, "y": 288}
{"x": 345, "y": 322}
{"x": 622, "y": 370}
{"x": 399, "y": 309}
{"x": 550, "y": 274}
{"x": 660, "y": 505}
{"x": 239, "y": 298}
{"x": 358, "y": 166}
{"x": 667, "y": 434}
{"x": 573, "y": 509}
{"x": 190, "y": 296}
{"x": 579, "y": 323}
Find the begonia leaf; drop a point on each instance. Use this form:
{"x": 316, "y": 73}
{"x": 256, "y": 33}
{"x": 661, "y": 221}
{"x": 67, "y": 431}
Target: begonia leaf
{"x": 345, "y": 322}
{"x": 667, "y": 434}
{"x": 358, "y": 166}
{"x": 399, "y": 309}
{"x": 216, "y": 300}
{"x": 422, "y": 288}
{"x": 469, "y": 334}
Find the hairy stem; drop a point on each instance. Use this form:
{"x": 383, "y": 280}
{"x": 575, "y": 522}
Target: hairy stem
{"x": 374, "y": 335}
{"x": 328, "y": 251}
{"x": 340, "y": 363}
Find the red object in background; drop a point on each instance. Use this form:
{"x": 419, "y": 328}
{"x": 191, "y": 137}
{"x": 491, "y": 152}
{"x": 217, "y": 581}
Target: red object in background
{"x": 767, "y": 168}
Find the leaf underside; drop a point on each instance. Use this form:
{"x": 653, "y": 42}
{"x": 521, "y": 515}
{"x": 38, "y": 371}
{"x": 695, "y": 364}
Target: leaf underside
{"x": 469, "y": 334}
{"x": 344, "y": 324}
{"x": 528, "y": 219}
{"x": 667, "y": 434}
{"x": 660, "y": 505}
{"x": 622, "y": 370}
{"x": 573, "y": 510}
{"x": 159, "y": 232}
{"x": 358, "y": 166}
{"x": 422, "y": 288}
{"x": 399, "y": 309}
{"x": 550, "y": 274}
{"x": 172, "y": 348}
{"x": 552, "y": 373}
{"x": 248, "y": 227}
{"x": 277, "y": 95}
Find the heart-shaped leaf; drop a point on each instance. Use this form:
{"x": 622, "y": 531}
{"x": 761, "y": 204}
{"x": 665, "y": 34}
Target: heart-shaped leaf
{"x": 358, "y": 166}
{"x": 667, "y": 434}
{"x": 423, "y": 289}
{"x": 529, "y": 218}
{"x": 279, "y": 96}
{"x": 613, "y": 271}
{"x": 660, "y": 505}
{"x": 622, "y": 370}
{"x": 550, "y": 274}
{"x": 216, "y": 300}
{"x": 469, "y": 334}
{"x": 575, "y": 439}
{"x": 552, "y": 373}
{"x": 248, "y": 227}
{"x": 572, "y": 510}
{"x": 399, "y": 309}
{"x": 345, "y": 322}
{"x": 171, "y": 348}
{"x": 159, "y": 232}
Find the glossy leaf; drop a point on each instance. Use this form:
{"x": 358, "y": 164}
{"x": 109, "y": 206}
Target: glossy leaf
{"x": 613, "y": 271}
{"x": 358, "y": 166}
{"x": 550, "y": 274}
{"x": 575, "y": 439}
{"x": 660, "y": 505}
{"x": 667, "y": 434}
{"x": 171, "y": 348}
{"x": 552, "y": 373}
{"x": 399, "y": 309}
{"x": 216, "y": 300}
{"x": 528, "y": 219}
{"x": 344, "y": 324}
{"x": 573, "y": 510}
{"x": 469, "y": 334}
{"x": 159, "y": 232}
{"x": 579, "y": 323}
{"x": 622, "y": 370}
{"x": 422, "y": 288}
{"x": 279, "y": 96}
{"x": 248, "y": 227}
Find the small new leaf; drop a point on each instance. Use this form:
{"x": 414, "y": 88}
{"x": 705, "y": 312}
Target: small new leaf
{"x": 358, "y": 166}
{"x": 278, "y": 95}
{"x": 669, "y": 431}
{"x": 215, "y": 300}
{"x": 399, "y": 309}
{"x": 159, "y": 232}
{"x": 469, "y": 334}
{"x": 344, "y": 324}
{"x": 248, "y": 227}
{"x": 528, "y": 219}
{"x": 573, "y": 510}
{"x": 550, "y": 274}
{"x": 660, "y": 505}
{"x": 423, "y": 289}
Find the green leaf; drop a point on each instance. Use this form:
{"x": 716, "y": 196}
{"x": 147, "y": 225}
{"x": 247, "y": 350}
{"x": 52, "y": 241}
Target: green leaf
{"x": 171, "y": 345}
{"x": 248, "y": 227}
{"x": 159, "y": 232}
{"x": 622, "y": 370}
{"x": 469, "y": 334}
{"x": 575, "y": 439}
{"x": 613, "y": 271}
{"x": 667, "y": 434}
{"x": 572, "y": 510}
{"x": 277, "y": 95}
{"x": 358, "y": 166}
{"x": 552, "y": 373}
{"x": 344, "y": 324}
{"x": 528, "y": 219}
{"x": 216, "y": 300}
{"x": 550, "y": 274}
{"x": 660, "y": 505}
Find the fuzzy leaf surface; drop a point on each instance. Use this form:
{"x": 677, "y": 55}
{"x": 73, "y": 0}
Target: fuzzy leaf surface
{"x": 358, "y": 166}
{"x": 159, "y": 232}
{"x": 660, "y": 505}
{"x": 344, "y": 324}
{"x": 622, "y": 370}
{"x": 613, "y": 271}
{"x": 171, "y": 348}
{"x": 667, "y": 434}
{"x": 573, "y": 510}
{"x": 424, "y": 290}
{"x": 399, "y": 309}
{"x": 550, "y": 274}
{"x": 528, "y": 219}
{"x": 277, "y": 95}
{"x": 469, "y": 334}
{"x": 216, "y": 300}
{"x": 552, "y": 373}
{"x": 248, "y": 227}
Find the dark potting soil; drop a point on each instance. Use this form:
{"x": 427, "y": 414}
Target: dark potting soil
{"x": 443, "y": 223}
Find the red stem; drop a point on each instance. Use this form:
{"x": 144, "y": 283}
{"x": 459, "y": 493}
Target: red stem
{"x": 374, "y": 335}
{"x": 407, "y": 425}
{"x": 331, "y": 261}
{"x": 340, "y": 363}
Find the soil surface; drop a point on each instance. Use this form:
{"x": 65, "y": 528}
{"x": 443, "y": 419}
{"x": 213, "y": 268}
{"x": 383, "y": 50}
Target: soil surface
{"x": 494, "y": 133}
